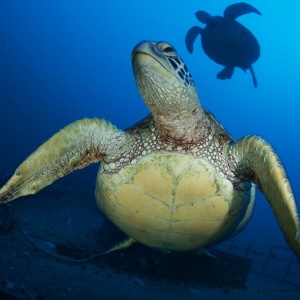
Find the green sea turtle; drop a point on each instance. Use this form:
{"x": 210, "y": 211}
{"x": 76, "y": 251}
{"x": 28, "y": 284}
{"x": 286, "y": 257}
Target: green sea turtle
{"x": 174, "y": 181}
{"x": 226, "y": 41}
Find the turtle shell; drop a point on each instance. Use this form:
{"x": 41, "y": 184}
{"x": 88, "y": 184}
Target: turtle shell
{"x": 173, "y": 201}
{"x": 229, "y": 43}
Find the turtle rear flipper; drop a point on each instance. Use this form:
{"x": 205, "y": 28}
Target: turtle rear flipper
{"x": 238, "y": 9}
{"x": 226, "y": 73}
{"x": 253, "y": 76}
{"x": 122, "y": 245}
{"x": 191, "y": 36}
{"x": 254, "y": 159}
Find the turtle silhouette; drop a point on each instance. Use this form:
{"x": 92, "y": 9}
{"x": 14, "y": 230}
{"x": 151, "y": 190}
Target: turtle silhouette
{"x": 226, "y": 41}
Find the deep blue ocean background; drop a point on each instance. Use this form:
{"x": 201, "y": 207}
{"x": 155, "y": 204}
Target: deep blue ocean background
{"x": 66, "y": 60}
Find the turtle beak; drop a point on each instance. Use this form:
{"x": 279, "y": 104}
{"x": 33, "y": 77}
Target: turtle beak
{"x": 144, "y": 54}
{"x": 143, "y": 47}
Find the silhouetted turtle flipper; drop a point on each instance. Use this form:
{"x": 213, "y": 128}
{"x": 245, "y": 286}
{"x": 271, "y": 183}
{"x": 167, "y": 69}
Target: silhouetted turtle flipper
{"x": 236, "y": 10}
{"x": 226, "y": 73}
{"x": 191, "y": 36}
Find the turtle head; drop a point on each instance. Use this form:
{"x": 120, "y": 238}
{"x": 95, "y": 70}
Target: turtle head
{"x": 163, "y": 80}
{"x": 203, "y": 16}
{"x": 167, "y": 88}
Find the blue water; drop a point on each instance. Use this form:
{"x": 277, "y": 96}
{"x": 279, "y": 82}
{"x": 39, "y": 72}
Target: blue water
{"x": 65, "y": 60}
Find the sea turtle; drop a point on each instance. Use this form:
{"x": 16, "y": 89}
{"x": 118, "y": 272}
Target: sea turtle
{"x": 174, "y": 181}
{"x": 226, "y": 41}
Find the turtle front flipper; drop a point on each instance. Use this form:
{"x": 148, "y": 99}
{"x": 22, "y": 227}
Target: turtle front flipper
{"x": 226, "y": 73}
{"x": 233, "y": 11}
{"x": 191, "y": 36}
{"x": 252, "y": 158}
{"x": 74, "y": 147}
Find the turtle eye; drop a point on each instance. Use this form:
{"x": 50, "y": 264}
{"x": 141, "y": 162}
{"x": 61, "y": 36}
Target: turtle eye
{"x": 166, "y": 49}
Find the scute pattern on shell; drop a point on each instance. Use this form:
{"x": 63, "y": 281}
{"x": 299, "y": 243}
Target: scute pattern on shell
{"x": 172, "y": 201}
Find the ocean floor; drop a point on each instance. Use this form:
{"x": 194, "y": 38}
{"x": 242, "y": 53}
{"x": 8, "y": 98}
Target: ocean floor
{"x": 50, "y": 249}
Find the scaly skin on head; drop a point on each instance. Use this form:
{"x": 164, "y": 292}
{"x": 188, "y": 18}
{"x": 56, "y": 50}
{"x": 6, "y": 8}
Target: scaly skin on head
{"x": 168, "y": 90}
